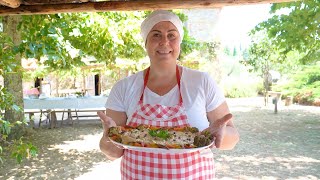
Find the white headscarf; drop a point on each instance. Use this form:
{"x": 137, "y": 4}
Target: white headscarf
{"x": 159, "y": 16}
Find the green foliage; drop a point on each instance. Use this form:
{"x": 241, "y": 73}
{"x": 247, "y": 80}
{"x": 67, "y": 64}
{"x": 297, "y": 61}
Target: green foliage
{"x": 227, "y": 51}
{"x": 40, "y": 72}
{"x": 298, "y": 30}
{"x": 107, "y": 36}
{"x": 236, "y": 88}
{"x": 160, "y": 133}
{"x": 262, "y": 57}
{"x": 19, "y": 149}
{"x": 189, "y": 44}
{"x": 262, "y": 54}
{"x": 7, "y": 54}
{"x": 22, "y": 149}
{"x": 62, "y": 40}
{"x": 235, "y": 53}
{"x": 6, "y": 99}
{"x": 209, "y": 50}
{"x": 288, "y": 39}
{"x": 41, "y": 37}
{"x": 5, "y": 128}
{"x": 303, "y": 85}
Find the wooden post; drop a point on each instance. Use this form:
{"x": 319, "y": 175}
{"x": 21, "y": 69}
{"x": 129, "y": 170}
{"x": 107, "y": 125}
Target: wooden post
{"x": 276, "y": 97}
{"x": 53, "y": 119}
{"x": 276, "y": 106}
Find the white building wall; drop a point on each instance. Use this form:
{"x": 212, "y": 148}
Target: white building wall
{"x": 202, "y": 23}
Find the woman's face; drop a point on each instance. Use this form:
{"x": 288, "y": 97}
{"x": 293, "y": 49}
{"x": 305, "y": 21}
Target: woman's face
{"x": 163, "y": 42}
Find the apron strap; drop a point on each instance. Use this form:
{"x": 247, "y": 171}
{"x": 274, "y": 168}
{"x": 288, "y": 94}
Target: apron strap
{"x": 146, "y": 77}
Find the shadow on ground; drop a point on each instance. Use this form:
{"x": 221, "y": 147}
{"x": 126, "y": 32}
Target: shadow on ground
{"x": 63, "y": 153}
{"x": 272, "y": 146}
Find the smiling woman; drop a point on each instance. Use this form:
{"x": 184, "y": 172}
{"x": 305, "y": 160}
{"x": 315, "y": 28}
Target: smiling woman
{"x": 166, "y": 95}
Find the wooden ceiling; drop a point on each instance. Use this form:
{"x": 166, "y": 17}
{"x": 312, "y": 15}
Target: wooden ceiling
{"x": 28, "y": 7}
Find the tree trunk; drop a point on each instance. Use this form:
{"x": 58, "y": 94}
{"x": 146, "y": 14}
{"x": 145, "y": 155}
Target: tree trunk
{"x": 13, "y": 80}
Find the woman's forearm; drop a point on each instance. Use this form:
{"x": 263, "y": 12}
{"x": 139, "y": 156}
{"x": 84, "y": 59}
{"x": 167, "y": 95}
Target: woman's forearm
{"x": 230, "y": 138}
{"x": 109, "y": 149}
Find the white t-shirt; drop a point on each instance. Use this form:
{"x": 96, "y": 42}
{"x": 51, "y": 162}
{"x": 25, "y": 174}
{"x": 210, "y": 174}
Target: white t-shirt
{"x": 199, "y": 91}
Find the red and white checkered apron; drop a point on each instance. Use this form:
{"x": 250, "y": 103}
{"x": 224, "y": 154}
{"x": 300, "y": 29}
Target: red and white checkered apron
{"x": 150, "y": 165}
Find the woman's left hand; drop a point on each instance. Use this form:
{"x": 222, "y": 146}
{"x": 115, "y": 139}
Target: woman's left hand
{"x": 217, "y": 129}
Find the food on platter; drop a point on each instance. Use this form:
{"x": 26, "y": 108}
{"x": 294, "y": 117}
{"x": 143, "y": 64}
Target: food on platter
{"x": 185, "y": 137}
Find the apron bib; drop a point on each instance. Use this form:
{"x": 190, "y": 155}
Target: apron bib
{"x": 149, "y": 165}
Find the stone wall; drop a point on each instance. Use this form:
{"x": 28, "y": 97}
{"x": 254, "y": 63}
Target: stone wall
{"x": 202, "y": 23}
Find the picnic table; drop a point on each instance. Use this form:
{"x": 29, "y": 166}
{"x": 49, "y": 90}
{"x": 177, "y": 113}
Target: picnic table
{"x": 51, "y": 106}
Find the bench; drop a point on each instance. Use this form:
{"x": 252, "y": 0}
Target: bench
{"x": 51, "y": 115}
{"x": 46, "y": 113}
{"x": 77, "y": 116}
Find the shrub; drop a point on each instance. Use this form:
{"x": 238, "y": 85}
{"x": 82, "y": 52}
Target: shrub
{"x": 20, "y": 148}
{"x": 237, "y": 88}
{"x": 303, "y": 85}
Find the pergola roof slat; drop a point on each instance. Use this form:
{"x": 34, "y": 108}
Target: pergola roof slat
{"x": 28, "y": 7}
{"x": 10, "y": 3}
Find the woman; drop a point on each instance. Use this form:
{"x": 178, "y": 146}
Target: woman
{"x": 165, "y": 85}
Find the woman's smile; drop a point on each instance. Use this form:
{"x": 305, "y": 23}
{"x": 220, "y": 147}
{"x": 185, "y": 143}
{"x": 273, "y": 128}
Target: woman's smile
{"x": 163, "y": 52}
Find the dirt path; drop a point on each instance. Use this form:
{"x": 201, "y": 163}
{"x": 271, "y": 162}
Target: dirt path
{"x": 272, "y": 146}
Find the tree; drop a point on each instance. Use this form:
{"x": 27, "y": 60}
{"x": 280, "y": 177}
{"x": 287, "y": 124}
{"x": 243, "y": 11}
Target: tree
{"x": 104, "y": 36}
{"x": 290, "y": 38}
{"x": 262, "y": 56}
{"x": 12, "y": 127}
{"x": 13, "y": 80}
{"x": 60, "y": 42}
{"x": 298, "y": 30}
{"x": 235, "y": 53}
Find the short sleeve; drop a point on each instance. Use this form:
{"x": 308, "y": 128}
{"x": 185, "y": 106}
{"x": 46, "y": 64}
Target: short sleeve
{"x": 214, "y": 95}
{"x": 116, "y": 98}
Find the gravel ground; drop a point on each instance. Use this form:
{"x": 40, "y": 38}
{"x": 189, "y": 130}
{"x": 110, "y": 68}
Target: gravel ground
{"x": 285, "y": 145}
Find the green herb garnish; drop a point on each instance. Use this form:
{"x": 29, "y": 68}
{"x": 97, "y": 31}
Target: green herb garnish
{"x": 161, "y": 133}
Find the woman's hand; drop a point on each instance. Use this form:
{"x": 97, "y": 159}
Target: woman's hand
{"x": 106, "y": 146}
{"x": 106, "y": 121}
{"x": 217, "y": 129}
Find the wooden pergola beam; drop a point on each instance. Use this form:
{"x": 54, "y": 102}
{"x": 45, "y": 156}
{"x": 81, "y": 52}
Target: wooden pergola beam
{"x": 127, "y": 6}
{"x": 10, "y": 3}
